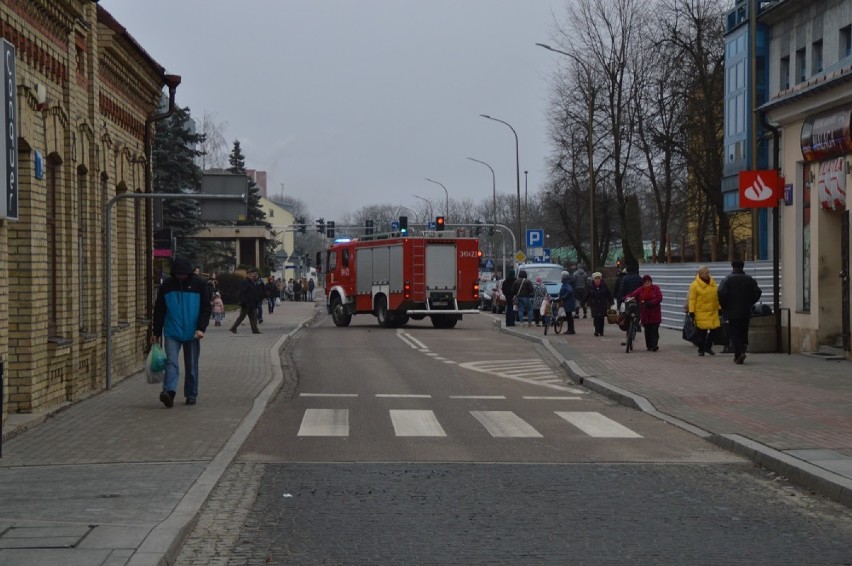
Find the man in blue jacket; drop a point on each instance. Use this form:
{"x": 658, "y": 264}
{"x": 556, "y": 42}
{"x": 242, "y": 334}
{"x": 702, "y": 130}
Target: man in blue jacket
{"x": 181, "y": 315}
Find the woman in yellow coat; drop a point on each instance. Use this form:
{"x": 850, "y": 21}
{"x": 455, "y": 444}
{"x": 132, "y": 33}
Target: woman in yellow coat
{"x": 704, "y": 309}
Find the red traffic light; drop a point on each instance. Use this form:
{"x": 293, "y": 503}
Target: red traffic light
{"x": 439, "y": 223}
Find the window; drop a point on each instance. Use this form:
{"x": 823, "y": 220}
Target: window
{"x": 816, "y": 57}
{"x": 800, "y": 66}
{"x": 784, "y": 74}
{"x": 845, "y": 42}
{"x": 332, "y": 261}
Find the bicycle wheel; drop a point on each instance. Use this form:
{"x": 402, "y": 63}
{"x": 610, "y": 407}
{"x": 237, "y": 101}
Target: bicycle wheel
{"x": 557, "y": 324}
{"x": 631, "y": 333}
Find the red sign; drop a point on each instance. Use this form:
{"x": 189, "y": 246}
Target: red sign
{"x": 760, "y": 189}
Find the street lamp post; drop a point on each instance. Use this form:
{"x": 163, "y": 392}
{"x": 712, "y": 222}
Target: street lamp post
{"x": 447, "y": 202}
{"x": 590, "y": 149}
{"x": 517, "y": 172}
{"x": 494, "y": 195}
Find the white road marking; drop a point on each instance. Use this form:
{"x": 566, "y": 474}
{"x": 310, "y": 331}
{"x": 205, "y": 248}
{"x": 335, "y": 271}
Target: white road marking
{"x": 597, "y": 425}
{"x": 325, "y": 422}
{"x": 402, "y": 396}
{"x": 477, "y": 397}
{"x": 416, "y": 423}
{"x": 411, "y": 339}
{"x": 505, "y": 424}
{"x": 553, "y": 398}
{"x": 328, "y": 394}
{"x": 529, "y": 371}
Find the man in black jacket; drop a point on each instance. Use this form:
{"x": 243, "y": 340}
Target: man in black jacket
{"x": 248, "y": 302}
{"x": 737, "y": 293}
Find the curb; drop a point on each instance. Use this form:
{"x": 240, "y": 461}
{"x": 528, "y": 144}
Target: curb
{"x": 828, "y": 484}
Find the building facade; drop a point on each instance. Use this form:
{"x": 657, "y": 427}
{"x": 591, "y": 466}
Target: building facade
{"x": 809, "y": 105}
{"x": 84, "y": 91}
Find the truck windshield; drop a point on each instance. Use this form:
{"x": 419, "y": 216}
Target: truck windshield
{"x": 548, "y": 274}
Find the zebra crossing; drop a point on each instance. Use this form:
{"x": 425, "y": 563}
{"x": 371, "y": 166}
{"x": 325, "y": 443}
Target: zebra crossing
{"x": 424, "y": 423}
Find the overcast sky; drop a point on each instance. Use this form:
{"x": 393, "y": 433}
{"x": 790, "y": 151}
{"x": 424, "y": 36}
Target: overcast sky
{"x": 348, "y": 103}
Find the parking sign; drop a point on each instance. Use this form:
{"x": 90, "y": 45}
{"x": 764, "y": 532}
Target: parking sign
{"x": 535, "y": 238}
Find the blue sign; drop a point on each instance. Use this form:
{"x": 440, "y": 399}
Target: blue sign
{"x": 394, "y": 225}
{"x": 432, "y": 225}
{"x": 535, "y": 238}
{"x": 489, "y": 264}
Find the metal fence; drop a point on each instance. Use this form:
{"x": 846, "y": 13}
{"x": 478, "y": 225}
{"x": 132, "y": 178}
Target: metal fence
{"x": 674, "y": 280}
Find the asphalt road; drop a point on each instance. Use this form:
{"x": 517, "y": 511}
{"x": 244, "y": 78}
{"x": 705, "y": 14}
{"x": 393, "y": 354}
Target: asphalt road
{"x": 426, "y": 446}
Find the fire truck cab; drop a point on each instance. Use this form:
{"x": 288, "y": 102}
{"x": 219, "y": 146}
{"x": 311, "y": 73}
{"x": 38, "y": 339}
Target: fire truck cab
{"x": 397, "y": 277}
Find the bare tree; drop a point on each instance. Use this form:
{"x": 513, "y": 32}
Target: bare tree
{"x": 214, "y": 148}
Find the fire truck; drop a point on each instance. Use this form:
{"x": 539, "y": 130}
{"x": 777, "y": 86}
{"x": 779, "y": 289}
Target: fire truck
{"x": 395, "y": 277}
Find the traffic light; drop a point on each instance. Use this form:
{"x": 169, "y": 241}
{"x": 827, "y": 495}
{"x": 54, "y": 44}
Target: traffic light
{"x": 321, "y": 225}
{"x": 329, "y": 231}
{"x": 301, "y": 222}
{"x": 478, "y": 229}
{"x": 403, "y": 225}
{"x": 368, "y": 227}
{"x": 439, "y": 223}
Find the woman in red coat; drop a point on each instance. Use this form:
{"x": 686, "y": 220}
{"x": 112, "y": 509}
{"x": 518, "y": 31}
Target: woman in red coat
{"x": 650, "y": 296}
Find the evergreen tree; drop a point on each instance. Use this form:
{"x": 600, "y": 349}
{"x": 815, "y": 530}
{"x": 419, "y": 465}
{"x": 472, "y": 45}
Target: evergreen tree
{"x": 255, "y": 215}
{"x": 175, "y": 171}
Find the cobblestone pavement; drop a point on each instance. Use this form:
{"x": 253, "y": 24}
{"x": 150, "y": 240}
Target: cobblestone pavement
{"x": 524, "y": 514}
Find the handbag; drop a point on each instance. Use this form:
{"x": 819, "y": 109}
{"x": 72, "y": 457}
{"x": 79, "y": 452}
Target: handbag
{"x": 612, "y": 316}
{"x": 690, "y": 332}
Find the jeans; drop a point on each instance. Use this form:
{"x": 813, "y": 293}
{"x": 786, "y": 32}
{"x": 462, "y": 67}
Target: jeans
{"x": 271, "y": 304}
{"x": 510, "y": 312}
{"x": 525, "y": 307}
{"x": 191, "y": 351}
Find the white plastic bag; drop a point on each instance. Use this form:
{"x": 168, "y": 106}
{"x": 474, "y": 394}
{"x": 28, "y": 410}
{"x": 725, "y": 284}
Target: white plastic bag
{"x": 277, "y": 301}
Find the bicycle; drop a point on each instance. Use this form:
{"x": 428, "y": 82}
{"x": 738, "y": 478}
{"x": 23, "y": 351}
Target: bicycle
{"x": 556, "y": 318}
{"x": 631, "y": 321}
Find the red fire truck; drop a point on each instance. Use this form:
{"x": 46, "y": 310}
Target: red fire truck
{"x": 397, "y": 277}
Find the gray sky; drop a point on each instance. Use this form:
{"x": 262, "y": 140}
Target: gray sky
{"x": 350, "y": 103}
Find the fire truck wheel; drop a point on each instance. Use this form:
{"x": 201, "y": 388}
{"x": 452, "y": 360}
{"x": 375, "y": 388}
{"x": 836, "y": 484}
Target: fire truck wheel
{"x": 443, "y": 322}
{"x": 339, "y": 314}
{"x": 385, "y": 320}
{"x": 400, "y": 320}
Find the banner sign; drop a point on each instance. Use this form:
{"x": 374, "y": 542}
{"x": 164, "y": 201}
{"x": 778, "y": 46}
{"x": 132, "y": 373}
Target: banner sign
{"x": 827, "y": 135}
{"x": 9, "y": 137}
{"x": 831, "y": 184}
{"x": 760, "y": 189}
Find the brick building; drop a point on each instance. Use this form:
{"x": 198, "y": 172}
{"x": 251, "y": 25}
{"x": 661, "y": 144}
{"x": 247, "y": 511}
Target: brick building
{"x": 85, "y": 92}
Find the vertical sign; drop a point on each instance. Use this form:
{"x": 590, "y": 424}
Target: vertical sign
{"x": 9, "y": 138}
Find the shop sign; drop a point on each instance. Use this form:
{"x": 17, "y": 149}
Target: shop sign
{"x": 9, "y": 137}
{"x": 827, "y": 135}
{"x": 831, "y": 184}
{"x": 760, "y": 189}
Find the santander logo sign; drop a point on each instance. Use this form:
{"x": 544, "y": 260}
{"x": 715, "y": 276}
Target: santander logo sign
{"x": 759, "y": 189}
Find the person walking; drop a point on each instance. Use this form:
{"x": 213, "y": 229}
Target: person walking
{"x": 539, "y": 293}
{"x": 213, "y": 283}
{"x": 311, "y": 287}
{"x": 181, "y": 315}
{"x": 703, "y": 308}
{"x": 598, "y": 299}
{"x": 271, "y": 293}
{"x": 523, "y": 290}
{"x": 649, "y": 297}
{"x": 629, "y": 283}
{"x": 218, "y": 309}
{"x": 569, "y": 303}
{"x": 581, "y": 282}
{"x": 297, "y": 290}
{"x": 260, "y": 296}
{"x": 506, "y": 288}
{"x": 248, "y": 303}
{"x": 738, "y": 292}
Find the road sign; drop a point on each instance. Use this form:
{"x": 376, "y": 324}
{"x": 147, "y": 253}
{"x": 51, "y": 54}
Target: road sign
{"x": 535, "y": 238}
{"x": 394, "y": 225}
{"x": 520, "y": 256}
{"x": 432, "y": 225}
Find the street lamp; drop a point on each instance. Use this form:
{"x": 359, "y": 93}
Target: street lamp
{"x": 592, "y": 247}
{"x": 431, "y": 216}
{"x": 494, "y": 194}
{"x": 517, "y": 172}
{"x": 447, "y": 202}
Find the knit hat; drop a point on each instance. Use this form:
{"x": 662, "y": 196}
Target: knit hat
{"x": 646, "y": 277}
{"x": 538, "y": 279}
{"x": 181, "y": 266}
{"x": 596, "y": 274}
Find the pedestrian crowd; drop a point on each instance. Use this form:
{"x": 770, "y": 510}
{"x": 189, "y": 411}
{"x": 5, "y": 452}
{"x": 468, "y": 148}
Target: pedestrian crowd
{"x": 708, "y": 306}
